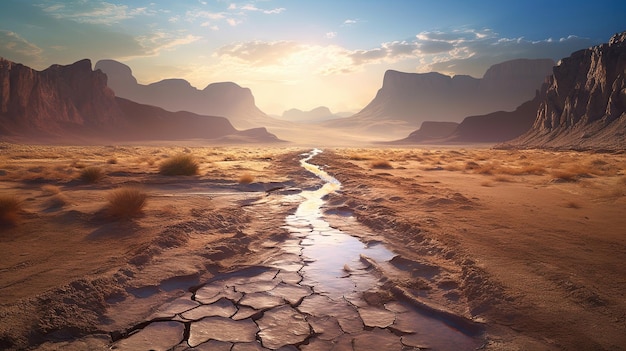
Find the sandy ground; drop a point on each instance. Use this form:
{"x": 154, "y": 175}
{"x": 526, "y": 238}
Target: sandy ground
{"x": 529, "y": 243}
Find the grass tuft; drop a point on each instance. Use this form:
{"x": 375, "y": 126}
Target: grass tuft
{"x": 92, "y": 174}
{"x": 246, "y": 178}
{"x": 126, "y": 202}
{"x": 10, "y": 208}
{"x": 381, "y": 164}
{"x": 179, "y": 165}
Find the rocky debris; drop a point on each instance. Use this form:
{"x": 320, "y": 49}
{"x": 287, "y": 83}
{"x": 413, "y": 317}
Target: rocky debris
{"x": 583, "y": 103}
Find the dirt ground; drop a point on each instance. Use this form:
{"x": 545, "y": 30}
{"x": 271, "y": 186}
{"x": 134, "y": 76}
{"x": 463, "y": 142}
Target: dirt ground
{"x": 529, "y": 243}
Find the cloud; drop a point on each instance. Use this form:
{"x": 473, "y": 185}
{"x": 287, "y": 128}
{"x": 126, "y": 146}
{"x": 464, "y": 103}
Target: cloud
{"x": 260, "y": 53}
{"x": 19, "y": 48}
{"x": 331, "y": 35}
{"x": 350, "y": 22}
{"x": 253, "y": 8}
{"x": 98, "y": 12}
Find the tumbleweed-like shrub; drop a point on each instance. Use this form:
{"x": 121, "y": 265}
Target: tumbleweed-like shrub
{"x": 91, "y": 174}
{"x": 179, "y": 165}
{"x": 126, "y": 202}
{"x": 10, "y": 208}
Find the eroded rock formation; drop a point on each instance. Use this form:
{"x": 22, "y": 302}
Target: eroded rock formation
{"x": 583, "y": 105}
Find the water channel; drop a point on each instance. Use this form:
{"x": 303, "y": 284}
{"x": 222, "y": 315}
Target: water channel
{"x": 308, "y": 298}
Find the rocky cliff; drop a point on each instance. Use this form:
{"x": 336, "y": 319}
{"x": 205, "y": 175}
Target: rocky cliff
{"x": 408, "y": 99}
{"x": 73, "y": 104}
{"x": 225, "y": 99}
{"x": 56, "y": 100}
{"x": 583, "y": 105}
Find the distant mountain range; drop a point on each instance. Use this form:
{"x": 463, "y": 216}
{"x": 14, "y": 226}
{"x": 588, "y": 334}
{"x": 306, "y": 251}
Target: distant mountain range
{"x": 582, "y": 105}
{"x": 316, "y": 115}
{"x": 72, "y": 103}
{"x": 406, "y": 100}
{"x": 225, "y": 99}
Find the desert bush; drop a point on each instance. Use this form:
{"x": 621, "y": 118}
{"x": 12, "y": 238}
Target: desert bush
{"x": 179, "y": 165}
{"x": 246, "y": 178}
{"x": 49, "y": 189}
{"x": 112, "y": 161}
{"x": 91, "y": 174}
{"x": 381, "y": 164}
{"x": 126, "y": 202}
{"x": 573, "y": 204}
{"x": 10, "y": 208}
{"x": 57, "y": 201}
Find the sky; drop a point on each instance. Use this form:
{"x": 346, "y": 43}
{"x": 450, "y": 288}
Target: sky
{"x": 301, "y": 54}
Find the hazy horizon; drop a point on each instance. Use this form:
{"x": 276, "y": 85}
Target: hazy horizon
{"x": 299, "y": 54}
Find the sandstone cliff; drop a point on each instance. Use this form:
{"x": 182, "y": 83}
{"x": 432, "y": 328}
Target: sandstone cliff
{"x": 583, "y": 105}
{"x": 54, "y": 101}
{"x": 72, "y": 104}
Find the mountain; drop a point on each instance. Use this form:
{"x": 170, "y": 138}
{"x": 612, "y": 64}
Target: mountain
{"x": 408, "y": 99}
{"x": 315, "y": 115}
{"x": 73, "y": 103}
{"x": 429, "y": 133}
{"x": 583, "y": 105}
{"x": 224, "y": 99}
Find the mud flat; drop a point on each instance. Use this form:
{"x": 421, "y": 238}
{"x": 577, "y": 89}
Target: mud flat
{"x": 499, "y": 249}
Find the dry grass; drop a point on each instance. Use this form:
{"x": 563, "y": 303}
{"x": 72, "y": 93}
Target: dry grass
{"x": 10, "y": 208}
{"x": 49, "y": 189}
{"x": 181, "y": 164}
{"x": 91, "y": 174}
{"x": 573, "y": 204}
{"x": 246, "y": 178}
{"x": 126, "y": 202}
{"x": 57, "y": 201}
{"x": 381, "y": 164}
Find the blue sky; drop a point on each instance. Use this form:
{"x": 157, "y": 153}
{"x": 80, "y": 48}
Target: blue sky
{"x": 301, "y": 54}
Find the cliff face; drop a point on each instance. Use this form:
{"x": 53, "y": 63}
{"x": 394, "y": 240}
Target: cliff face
{"x": 584, "y": 103}
{"x": 224, "y": 99}
{"x": 73, "y": 104}
{"x": 409, "y": 99}
{"x": 53, "y": 100}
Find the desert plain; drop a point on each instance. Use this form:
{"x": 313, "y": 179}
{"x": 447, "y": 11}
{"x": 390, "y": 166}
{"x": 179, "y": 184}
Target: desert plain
{"x": 514, "y": 249}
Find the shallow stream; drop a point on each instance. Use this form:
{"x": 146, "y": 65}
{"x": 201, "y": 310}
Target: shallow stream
{"x": 309, "y": 297}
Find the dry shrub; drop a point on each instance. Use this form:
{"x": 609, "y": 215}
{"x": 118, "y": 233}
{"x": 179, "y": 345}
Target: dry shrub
{"x": 49, "y": 189}
{"x": 92, "y": 174}
{"x": 112, "y": 161}
{"x": 246, "y": 178}
{"x": 355, "y": 157}
{"x": 566, "y": 175}
{"x": 573, "y": 204}
{"x": 10, "y": 208}
{"x": 57, "y": 201}
{"x": 381, "y": 164}
{"x": 503, "y": 179}
{"x": 126, "y": 202}
{"x": 179, "y": 165}
{"x": 471, "y": 165}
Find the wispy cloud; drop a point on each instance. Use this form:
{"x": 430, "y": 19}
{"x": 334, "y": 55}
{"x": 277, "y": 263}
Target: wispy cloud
{"x": 260, "y": 53}
{"x": 253, "y": 8}
{"x": 18, "y": 47}
{"x": 331, "y": 35}
{"x": 98, "y": 12}
{"x": 350, "y": 22}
